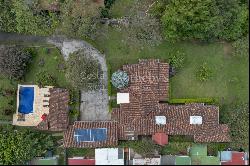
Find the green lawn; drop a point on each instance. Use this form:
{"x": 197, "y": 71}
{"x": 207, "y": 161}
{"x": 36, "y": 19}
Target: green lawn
{"x": 229, "y": 74}
{"x": 51, "y": 62}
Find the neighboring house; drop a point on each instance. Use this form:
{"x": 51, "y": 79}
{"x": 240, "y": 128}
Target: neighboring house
{"x": 142, "y": 112}
{"x": 80, "y": 161}
{"x": 44, "y": 161}
{"x": 197, "y": 156}
{"x": 233, "y": 158}
{"x": 109, "y": 156}
{"x": 45, "y": 108}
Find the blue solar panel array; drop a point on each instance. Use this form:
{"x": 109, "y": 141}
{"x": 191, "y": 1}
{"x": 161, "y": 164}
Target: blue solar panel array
{"x": 90, "y": 135}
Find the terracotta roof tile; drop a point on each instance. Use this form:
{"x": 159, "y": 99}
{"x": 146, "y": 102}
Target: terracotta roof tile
{"x": 57, "y": 119}
{"x": 149, "y": 81}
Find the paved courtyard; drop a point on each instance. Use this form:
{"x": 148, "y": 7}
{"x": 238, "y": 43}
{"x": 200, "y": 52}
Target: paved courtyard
{"x": 94, "y": 105}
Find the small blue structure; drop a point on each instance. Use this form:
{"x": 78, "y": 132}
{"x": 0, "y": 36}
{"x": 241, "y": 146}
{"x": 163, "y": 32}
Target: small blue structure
{"x": 26, "y": 100}
{"x": 90, "y": 135}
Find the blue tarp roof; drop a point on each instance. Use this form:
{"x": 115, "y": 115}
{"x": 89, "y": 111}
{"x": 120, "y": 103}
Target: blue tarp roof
{"x": 90, "y": 135}
{"x": 26, "y": 99}
{"x": 225, "y": 155}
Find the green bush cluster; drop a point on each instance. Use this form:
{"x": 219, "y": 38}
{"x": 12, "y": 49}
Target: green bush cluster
{"x": 105, "y": 12}
{"x": 44, "y": 78}
{"x": 204, "y": 20}
{"x": 241, "y": 47}
{"x": 177, "y": 59}
{"x": 194, "y": 100}
{"x": 109, "y": 80}
{"x": 145, "y": 147}
{"x": 81, "y": 152}
{"x": 204, "y": 73}
{"x": 19, "y": 16}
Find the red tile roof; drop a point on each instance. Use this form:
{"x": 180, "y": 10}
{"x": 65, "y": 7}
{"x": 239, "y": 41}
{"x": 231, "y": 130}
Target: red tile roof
{"x": 112, "y": 138}
{"x": 148, "y": 86}
{"x": 149, "y": 81}
{"x": 237, "y": 159}
{"x": 72, "y": 161}
{"x": 57, "y": 119}
{"x": 160, "y": 138}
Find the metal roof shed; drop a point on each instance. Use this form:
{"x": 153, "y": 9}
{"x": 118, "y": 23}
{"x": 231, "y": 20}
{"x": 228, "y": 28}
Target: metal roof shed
{"x": 109, "y": 156}
{"x": 122, "y": 98}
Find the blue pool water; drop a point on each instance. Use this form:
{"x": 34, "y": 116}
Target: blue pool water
{"x": 26, "y": 99}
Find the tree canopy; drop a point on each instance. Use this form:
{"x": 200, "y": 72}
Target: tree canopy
{"x": 19, "y": 16}
{"x": 83, "y": 71}
{"x": 13, "y": 61}
{"x": 202, "y": 19}
{"x": 20, "y": 146}
{"x": 238, "y": 120}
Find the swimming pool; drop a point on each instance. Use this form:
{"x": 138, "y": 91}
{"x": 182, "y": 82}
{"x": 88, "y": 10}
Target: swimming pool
{"x": 26, "y": 99}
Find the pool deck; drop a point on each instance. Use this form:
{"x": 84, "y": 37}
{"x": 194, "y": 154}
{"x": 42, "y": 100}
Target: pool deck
{"x": 33, "y": 119}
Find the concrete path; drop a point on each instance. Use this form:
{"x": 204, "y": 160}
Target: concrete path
{"x": 94, "y": 104}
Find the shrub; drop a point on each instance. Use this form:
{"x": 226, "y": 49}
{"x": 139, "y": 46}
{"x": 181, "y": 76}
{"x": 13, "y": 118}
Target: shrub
{"x": 108, "y": 3}
{"x": 105, "y": 13}
{"x": 145, "y": 147}
{"x": 109, "y": 80}
{"x": 197, "y": 100}
{"x": 72, "y": 152}
{"x": 120, "y": 79}
{"x": 175, "y": 148}
{"x": 74, "y": 113}
{"x": 14, "y": 61}
{"x": 43, "y": 78}
{"x": 241, "y": 47}
{"x": 236, "y": 115}
{"x": 204, "y": 73}
{"x": 177, "y": 59}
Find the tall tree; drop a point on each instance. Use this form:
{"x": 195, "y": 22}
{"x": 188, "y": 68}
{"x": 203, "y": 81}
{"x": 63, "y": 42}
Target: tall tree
{"x": 20, "y": 146}
{"x": 203, "y": 19}
{"x": 13, "y": 61}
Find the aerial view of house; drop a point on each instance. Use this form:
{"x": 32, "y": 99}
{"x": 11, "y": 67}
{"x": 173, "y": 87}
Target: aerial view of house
{"x": 124, "y": 82}
{"x": 143, "y": 114}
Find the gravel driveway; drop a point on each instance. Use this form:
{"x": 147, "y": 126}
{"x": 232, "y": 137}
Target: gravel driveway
{"x": 94, "y": 104}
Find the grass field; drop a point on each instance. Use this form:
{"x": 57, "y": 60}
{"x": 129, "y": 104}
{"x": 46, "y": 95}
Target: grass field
{"x": 229, "y": 74}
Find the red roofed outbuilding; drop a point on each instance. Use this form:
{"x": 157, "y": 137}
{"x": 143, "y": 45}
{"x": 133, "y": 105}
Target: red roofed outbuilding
{"x": 160, "y": 138}
{"x": 233, "y": 158}
{"x": 80, "y": 161}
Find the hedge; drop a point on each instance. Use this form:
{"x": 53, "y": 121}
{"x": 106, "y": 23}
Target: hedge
{"x": 112, "y": 104}
{"x": 192, "y": 100}
{"x": 109, "y": 78}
